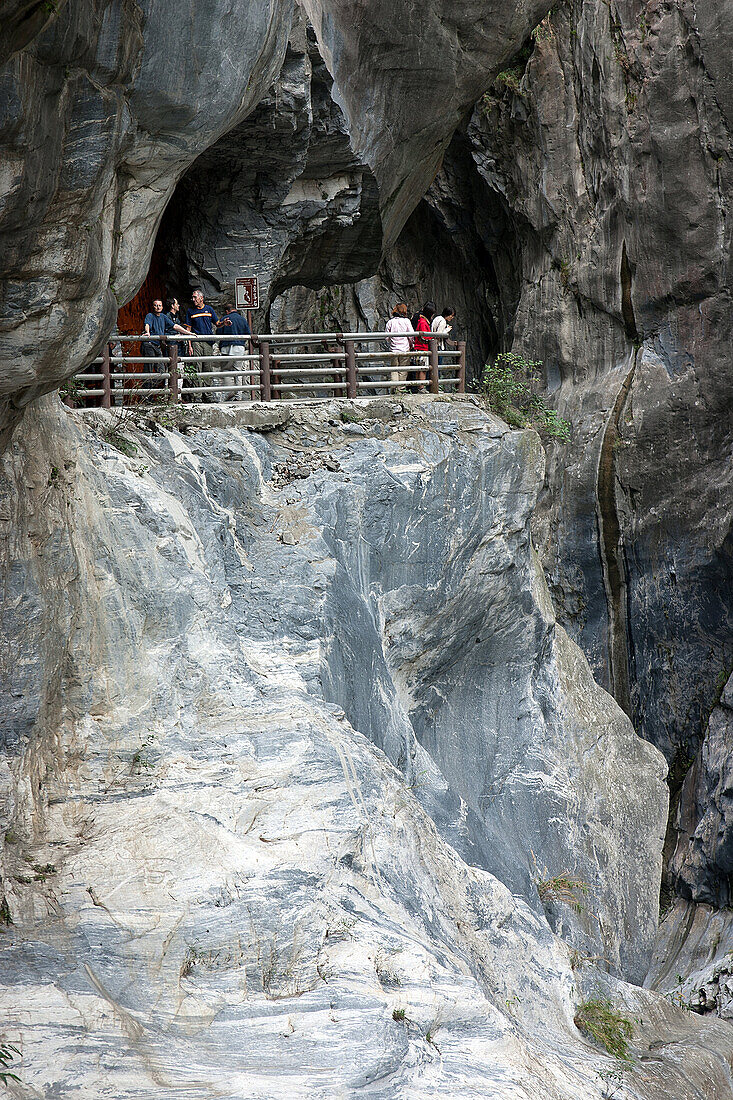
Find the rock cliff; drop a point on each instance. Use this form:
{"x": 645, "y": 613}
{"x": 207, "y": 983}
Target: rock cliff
{"x": 216, "y": 625}
{"x": 105, "y": 105}
{"x": 241, "y": 784}
{"x": 582, "y": 218}
{"x": 608, "y": 143}
{"x": 103, "y": 109}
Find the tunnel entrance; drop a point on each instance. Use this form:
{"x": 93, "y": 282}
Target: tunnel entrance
{"x": 131, "y": 317}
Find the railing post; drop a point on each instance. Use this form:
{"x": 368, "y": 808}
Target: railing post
{"x": 173, "y": 370}
{"x": 265, "y": 377}
{"x": 433, "y": 358}
{"x": 350, "y": 368}
{"x": 106, "y": 380}
{"x": 462, "y": 366}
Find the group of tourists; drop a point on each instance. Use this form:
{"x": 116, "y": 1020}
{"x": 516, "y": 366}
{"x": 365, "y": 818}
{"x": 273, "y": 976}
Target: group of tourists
{"x": 405, "y": 337}
{"x": 407, "y": 343}
{"x": 230, "y": 330}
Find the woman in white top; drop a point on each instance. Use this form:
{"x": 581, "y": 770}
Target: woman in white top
{"x": 399, "y": 327}
{"x": 443, "y": 323}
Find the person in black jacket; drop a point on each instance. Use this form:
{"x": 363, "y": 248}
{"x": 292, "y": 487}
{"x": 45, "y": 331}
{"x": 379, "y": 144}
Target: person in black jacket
{"x": 233, "y": 324}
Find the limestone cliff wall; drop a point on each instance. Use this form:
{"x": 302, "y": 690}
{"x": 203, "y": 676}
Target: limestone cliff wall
{"x": 103, "y": 109}
{"x": 105, "y": 105}
{"x": 582, "y": 217}
{"x": 249, "y": 819}
{"x": 611, "y": 148}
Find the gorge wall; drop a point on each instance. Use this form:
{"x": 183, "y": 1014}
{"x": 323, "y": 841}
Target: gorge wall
{"x": 581, "y": 217}
{"x": 564, "y": 182}
{"x": 258, "y": 821}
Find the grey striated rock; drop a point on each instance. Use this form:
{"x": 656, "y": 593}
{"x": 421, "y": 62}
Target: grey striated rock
{"x": 101, "y": 113}
{"x": 218, "y": 880}
{"x": 613, "y": 158}
{"x": 592, "y": 183}
{"x": 106, "y": 106}
{"x": 282, "y": 195}
{"x": 692, "y": 964}
{"x": 323, "y": 175}
{"x": 701, "y": 864}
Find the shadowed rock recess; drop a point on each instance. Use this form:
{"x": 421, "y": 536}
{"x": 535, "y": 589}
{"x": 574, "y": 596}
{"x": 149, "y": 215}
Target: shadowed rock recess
{"x": 292, "y": 712}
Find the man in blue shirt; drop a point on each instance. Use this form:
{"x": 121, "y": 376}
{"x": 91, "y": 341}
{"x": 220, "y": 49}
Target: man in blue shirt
{"x": 201, "y": 319}
{"x": 233, "y": 324}
{"x": 154, "y": 325}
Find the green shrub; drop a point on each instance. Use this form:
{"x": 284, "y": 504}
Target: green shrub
{"x": 508, "y": 386}
{"x": 8, "y": 1052}
{"x": 600, "y": 1019}
{"x": 563, "y": 887}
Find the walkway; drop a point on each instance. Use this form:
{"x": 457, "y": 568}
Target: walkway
{"x": 325, "y": 364}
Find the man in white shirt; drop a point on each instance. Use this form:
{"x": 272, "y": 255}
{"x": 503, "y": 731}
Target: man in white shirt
{"x": 400, "y": 330}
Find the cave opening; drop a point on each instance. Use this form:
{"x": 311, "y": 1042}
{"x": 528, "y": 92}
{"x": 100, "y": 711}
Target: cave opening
{"x": 302, "y": 214}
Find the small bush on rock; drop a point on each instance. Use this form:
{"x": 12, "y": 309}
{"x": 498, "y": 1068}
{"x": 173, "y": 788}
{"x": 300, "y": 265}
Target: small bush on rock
{"x": 563, "y": 887}
{"x": 508, "y": 386}
{"x": 600, "y": 1019}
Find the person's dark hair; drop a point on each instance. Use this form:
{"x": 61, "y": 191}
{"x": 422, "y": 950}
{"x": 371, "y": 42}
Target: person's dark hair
{"x": 414, "y": 319}
{"x": 449, "y": 311}
{"x": 229, "y": 307}
{"x": 429, "y": 310}
{"x": 169, "y": 304}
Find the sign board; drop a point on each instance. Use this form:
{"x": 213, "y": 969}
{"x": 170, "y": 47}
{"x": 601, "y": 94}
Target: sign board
{"x": 247, "y": 292}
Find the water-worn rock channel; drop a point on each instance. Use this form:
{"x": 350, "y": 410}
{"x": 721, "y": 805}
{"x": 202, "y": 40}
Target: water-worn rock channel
{"x": 293, "y": 734}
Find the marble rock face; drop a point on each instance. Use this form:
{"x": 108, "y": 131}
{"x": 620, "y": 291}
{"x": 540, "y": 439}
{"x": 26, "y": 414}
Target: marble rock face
{"x": 101, "y": 111}
{"x": 582, "y": 219}
{"x": 290, "y": 737}
{"x": 701, "y": 866}
{"x": 609, "y": 148}
{"x": 104, "y": 105}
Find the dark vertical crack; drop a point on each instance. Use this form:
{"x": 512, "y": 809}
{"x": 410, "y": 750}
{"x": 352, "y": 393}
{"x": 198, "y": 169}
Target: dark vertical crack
{"x": 612, "y": 557}
{"x": 627, "y": 306}
{"x": 613, "y": 560}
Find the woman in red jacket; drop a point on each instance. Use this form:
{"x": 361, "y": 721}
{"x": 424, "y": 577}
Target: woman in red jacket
{"x": 421, "y": 346}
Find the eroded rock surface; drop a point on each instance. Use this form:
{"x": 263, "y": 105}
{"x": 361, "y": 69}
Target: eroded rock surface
{"x": 583, "y": 219}
{"x": 102, "y": 112}
{"x": 106, "y": 105}
{"x": 611, "y": 148}
{"x": 215, "y": 873}
{"x": 701, "y": 865}
{"x": 692, "y": 964}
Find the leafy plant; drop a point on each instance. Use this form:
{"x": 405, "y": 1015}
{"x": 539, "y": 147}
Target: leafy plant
{"x": 117, "y": 440}
{"x": 543, "y": 31}
{"x": 398, "y": 1014}
{"x": 612, "y": 1079}
{"x": 600, "y": 1019}
{"x": 70, "y": 388}
{"x": 43, "y": 870}
{"x": 508, "y": 386}
{"x": 5, "y": 914}
{"x": 8, "y": 1052}
{"x": 510, "y": 78}
{"x": 141, "y": 761}
{"x": 564, "y": 888}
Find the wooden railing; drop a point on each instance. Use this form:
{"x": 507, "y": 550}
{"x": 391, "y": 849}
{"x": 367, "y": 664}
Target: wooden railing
{"x": 335, "y": 364}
